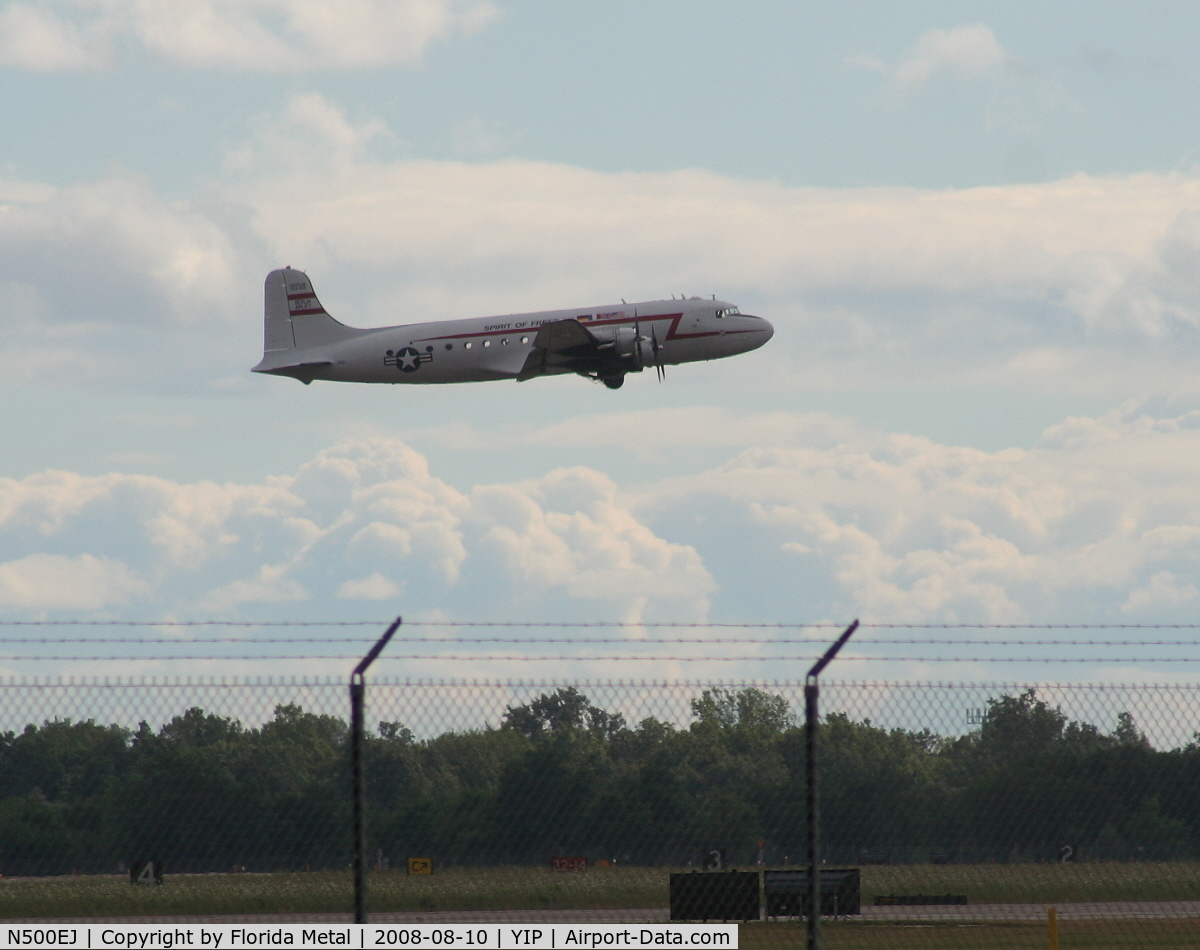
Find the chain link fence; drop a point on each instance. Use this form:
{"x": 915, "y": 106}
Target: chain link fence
{"x": 967, "y": 809}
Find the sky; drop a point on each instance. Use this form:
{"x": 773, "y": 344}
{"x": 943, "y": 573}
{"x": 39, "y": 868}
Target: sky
{"x": 974, "y": 226}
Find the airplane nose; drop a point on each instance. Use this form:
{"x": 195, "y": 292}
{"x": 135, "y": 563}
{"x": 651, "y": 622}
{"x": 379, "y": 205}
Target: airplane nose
{"x": 762, "y": 332}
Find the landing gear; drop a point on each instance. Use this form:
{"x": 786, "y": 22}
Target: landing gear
{"x": 613, "y": 382}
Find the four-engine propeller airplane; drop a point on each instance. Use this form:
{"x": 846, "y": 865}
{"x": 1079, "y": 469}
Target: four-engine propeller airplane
{"x": 602, "y": 343}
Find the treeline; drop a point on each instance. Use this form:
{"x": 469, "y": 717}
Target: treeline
{"x": 560, "y": 776}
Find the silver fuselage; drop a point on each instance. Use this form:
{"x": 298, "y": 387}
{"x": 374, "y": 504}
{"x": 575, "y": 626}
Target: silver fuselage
{"x": 488, "y": 348}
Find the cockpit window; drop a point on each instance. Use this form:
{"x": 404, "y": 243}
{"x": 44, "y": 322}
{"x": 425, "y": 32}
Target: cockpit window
{"x": 728, "y": 312}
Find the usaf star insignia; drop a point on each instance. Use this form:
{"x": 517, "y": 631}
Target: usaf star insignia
{"x": 407, "y": 360}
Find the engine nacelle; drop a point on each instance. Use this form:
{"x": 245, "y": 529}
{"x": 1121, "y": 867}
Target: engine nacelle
{"x": 627, "y": 343}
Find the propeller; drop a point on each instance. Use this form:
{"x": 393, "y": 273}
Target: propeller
{"x": 655, "y": 347}
{"x": 657, "y": 350}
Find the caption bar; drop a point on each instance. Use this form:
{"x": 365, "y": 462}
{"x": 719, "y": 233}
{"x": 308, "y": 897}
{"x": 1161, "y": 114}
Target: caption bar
{"x": 363, "y": 936}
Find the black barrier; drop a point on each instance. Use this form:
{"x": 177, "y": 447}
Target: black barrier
{"x": 787, "y": 892}
{"x": 714, "y": 895}
{"x": 917, "y": 900}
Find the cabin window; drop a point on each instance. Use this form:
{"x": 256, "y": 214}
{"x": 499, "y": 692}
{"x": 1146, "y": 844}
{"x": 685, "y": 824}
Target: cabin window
{"x": 487, "y": 342}
{"x": 449, "y": 346}
{"x": 524, "y": 339}
{"x": 467, "y": 345}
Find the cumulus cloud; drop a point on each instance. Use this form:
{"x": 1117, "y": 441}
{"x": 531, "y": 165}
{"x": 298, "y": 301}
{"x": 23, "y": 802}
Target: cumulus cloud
{"x": 1098, "y": 523}
{"x": 968, "y": 51}
{"x": 375, "y": 587}
{"x": 1162, "y": 590}
{"x": 906, "y": 530}
{"x": 41, "y": 582}
{"x": 965, "y": 52}
{"x": 310, "y": 133}
{"x": 253, "y": 35}
{"x": 1080, "y": 285}
{"x": 94, "y": 274}
{"x": 364, "y": 520}
{"x": 38, "y": 39}
{"x": 832, "y": 520}
{"x": 1021, "y": 97}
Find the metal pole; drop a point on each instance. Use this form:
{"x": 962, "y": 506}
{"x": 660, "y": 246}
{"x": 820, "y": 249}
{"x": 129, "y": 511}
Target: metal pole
{"x": 357, "y": 695}
{"x": 814, "y": 879}
{"x": 811, "y": 720}
{"x": 356, "y": 739}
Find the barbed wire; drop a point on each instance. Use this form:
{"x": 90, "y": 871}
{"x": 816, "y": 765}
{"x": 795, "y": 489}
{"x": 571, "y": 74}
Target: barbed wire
{"x": 614, "y": 624}
{"x": 525, "y": 658}
{"x": 41, "y": 680}
{"x": 591, "y": 641}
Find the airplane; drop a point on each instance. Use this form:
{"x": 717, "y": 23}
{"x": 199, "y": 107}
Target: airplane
{"x": 602, "y": 343}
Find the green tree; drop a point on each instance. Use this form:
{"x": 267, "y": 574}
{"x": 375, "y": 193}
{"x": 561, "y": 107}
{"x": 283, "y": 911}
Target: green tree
{"x": 565, "y": 708}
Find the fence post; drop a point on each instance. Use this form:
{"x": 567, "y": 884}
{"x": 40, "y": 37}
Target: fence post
{"x": 357, "y": 696}
{"x": 811, "y": 718}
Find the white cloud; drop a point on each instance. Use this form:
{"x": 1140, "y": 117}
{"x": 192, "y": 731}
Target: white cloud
{"x": 114, "y": 234}
{"x": 1163, "y": 590}
{"x": 1081, "y": 284}
{"x": 569, "y": 531}
{"x": 372, "y": 504}
{"x": 108, "y": 280}
{"x": 36, "y": 38}
{"x": 1021, "y": 98}
{"x": 897, "y": 527}
{"x": 906, "y": 530}
{"x": 374, "y": 587}
{"x": 270, "y": 584}
{"x": 252, "y": 35}
{"x": 965, "y": 51}
{"x": 829, "y": 522}
{"x": 311, "y": 132}
{"x": 52, "y": 582}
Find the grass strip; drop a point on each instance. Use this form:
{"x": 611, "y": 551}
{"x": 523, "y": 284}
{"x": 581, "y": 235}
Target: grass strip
{"x": 526, "y": 888}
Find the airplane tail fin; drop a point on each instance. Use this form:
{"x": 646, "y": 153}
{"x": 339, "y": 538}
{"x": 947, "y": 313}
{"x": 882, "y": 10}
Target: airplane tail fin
{"x": 294, "y": 324}
{"x": 293, "y": 316}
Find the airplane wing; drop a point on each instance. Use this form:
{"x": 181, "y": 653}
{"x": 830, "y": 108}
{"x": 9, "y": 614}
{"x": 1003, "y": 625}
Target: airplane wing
{"x": 562, "y": 346}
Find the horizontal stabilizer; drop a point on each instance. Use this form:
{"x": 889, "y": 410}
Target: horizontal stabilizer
{"x": 305, "y": 372}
